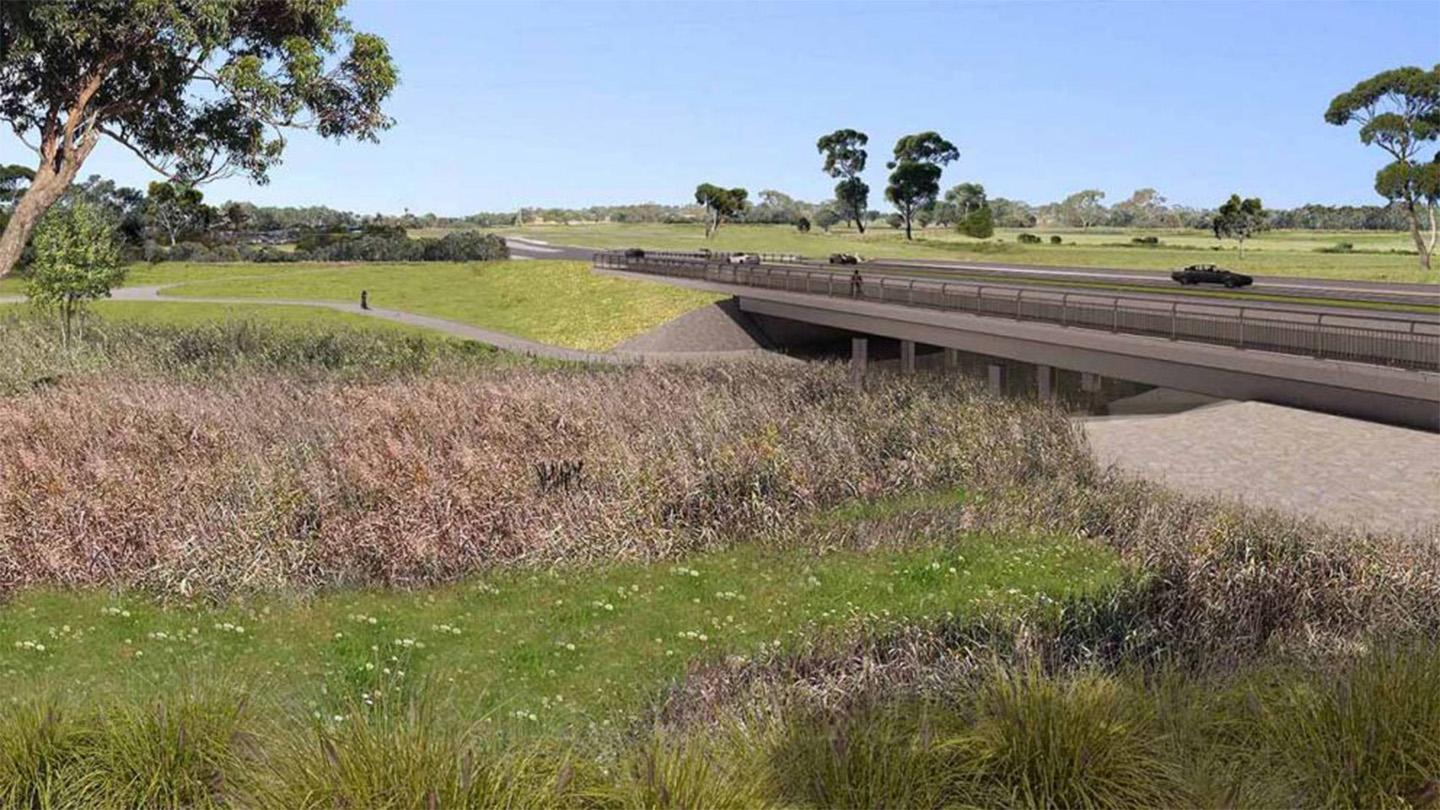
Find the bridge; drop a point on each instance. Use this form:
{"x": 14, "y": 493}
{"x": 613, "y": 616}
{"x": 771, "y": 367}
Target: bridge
{"x": 1371, "y": 363}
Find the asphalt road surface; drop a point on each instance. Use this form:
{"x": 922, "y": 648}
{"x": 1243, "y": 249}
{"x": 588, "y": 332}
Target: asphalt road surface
{"x": 1086, "y": 278}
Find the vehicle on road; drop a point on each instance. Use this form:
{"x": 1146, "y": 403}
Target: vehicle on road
{"x": 634, "y": 253}
{"x": 844, "y": 258}
{"x": 1210, "y": 274}
{"x": 744, "y": 258}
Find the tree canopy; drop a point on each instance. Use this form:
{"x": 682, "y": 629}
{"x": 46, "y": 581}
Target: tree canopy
{"x": 197, "y": 89}
{"x": 1399, "y": 111}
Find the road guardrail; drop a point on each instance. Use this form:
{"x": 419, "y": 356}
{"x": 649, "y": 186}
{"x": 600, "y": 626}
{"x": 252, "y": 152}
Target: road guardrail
{"x": 1398, "y": 343}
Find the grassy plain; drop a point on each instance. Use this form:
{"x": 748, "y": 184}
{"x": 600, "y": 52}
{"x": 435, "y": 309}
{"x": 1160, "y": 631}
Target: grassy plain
{"x": 561, "y": 303}
{"x": 1273, "y": 253}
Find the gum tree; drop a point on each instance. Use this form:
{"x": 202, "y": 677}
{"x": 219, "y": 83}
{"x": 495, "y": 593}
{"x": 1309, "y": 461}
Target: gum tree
{"x": 1239, "y": 220}
{"x": 915, "y": 173}
{"x": 1399, "y": 111}
{"x": 197, "y": 89}
{"x": 845, "y": 158}
{"x": 720, "y": 204}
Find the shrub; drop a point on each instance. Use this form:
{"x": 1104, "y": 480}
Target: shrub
{"x": 802, "y": 224}
{"x": 979, "y": 223}
{"x": 76, "y": 261}
{"x": 1338, "y": 247}
{"x": 1145, "y": 241}
{"x": 1027, "y": 239}
{"x": 1055, "y": 239}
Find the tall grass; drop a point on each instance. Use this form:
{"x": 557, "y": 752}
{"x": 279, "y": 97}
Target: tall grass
{"x": 259, "y": 481}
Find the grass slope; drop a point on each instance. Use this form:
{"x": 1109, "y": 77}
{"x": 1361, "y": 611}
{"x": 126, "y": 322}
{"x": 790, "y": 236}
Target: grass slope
{"x": 561, "y": 303}
{"x": 555, "y": 648}
{"x": 1274, "y": 253}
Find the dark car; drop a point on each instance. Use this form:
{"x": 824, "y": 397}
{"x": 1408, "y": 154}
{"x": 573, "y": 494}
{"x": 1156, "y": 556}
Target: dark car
{"x": 1210, "y": 274}
{"x": 844, "y": 258}
{"x": 634, "y": 253}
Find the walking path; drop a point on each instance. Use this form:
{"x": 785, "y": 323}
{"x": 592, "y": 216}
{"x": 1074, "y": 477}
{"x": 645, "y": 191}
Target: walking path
{"x": 499, "y": 340}
{"x": 1345, "y": 472}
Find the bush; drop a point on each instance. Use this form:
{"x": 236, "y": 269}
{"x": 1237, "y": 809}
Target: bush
{"x": 464, "y": 246}
{"x": 1338, "y": 247}
{"x": 1145, "y": 241}
{"x": 1055, "y": 239}
{"x": 979, "y": 223}
{"x": 1027, "y": 239}
{"x": 802, "y": 224}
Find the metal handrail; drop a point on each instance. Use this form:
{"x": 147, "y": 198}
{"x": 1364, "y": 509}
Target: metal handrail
{"x": 1410, "y": 344}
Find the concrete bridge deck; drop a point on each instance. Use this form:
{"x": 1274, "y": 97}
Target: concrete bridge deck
{"x": 1364, "y": 389}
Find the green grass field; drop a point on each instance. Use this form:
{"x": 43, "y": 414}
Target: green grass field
{"x": 554, "y": 648}
{"x": 1274, "y": 253}
{"x": 561, "y": 303}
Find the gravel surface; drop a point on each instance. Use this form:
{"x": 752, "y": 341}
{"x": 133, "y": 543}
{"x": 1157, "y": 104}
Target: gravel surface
{"x": 1346, "y": 472}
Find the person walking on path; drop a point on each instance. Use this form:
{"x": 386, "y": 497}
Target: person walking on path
{"x": 857, "y": 284}
{"x": 364, "y": 299}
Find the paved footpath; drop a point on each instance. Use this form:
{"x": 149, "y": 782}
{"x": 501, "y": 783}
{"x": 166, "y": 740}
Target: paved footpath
{"x": 1339, "y": 470}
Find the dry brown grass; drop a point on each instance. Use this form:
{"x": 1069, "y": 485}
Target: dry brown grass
{"x": 260, "y": 481}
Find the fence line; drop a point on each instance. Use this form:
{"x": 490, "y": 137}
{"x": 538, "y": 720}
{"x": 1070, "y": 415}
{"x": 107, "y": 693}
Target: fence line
{"x": 1409, "y": 344}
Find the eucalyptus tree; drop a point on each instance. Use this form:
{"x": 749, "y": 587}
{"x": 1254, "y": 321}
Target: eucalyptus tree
{"x": 1399, "y": 111}
{"x": 845, "y": 158}
{"x": 1239, "y": 220}
{"x": 196, "y": 89}
{"x": 720, "y": 204}
{"x": 915, "y": 173}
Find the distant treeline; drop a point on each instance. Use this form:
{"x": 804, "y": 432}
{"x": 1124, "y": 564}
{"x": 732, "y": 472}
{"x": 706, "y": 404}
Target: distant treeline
{"x": 776, "y": 208}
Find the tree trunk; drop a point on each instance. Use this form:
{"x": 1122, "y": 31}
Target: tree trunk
{"x": 1420, "y": 246}
{"x": 44, "y": 191}
{"x": 908, "y": 237}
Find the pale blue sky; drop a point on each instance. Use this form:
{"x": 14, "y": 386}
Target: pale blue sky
{"x": 570, "y": 104}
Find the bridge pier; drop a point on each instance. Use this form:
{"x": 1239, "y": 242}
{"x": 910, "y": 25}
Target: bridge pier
{"x": 907, "y": 357}
{"x": 952, "y": 358}
{"x": 997, "y": 379}
{"x": 1044, "y": 375}
{"x": 859, "y": 357}
{"x": 1089, "y": 383}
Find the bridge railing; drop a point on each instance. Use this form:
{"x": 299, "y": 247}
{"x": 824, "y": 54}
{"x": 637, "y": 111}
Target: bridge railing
{"x": 1409, "y": 344}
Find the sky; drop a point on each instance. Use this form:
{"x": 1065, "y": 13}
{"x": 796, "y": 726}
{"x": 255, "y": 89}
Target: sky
{"x": 583, "y": 103}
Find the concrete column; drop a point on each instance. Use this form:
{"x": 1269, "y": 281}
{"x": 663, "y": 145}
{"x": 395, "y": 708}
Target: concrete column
{"x": 952, "y": 358}
{"x": 997, "y": 380}
{"x": 859, "y": 357}
{"x": 1089, "y": 383}
{"x": 907, "y": 356}
{"x": 1043, "y": 377}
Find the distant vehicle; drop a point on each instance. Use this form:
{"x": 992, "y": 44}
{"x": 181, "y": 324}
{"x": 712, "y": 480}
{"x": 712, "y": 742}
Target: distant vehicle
{"x": 744, "y": 258}
{"x": 634, "y": 253}
{"x": 1210, "y": 274}
{"x": 844, "y": 258}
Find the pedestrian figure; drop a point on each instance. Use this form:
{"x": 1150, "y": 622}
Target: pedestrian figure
{"x": 364, "y": 299}
{"x": 857, "y": 284}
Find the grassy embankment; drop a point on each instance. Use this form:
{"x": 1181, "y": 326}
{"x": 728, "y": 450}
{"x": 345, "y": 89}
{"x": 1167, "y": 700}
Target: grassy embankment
{"x": 198, "y": 525}
{"x": 560, "y": 303}
{"x": 1273, "y": 253}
